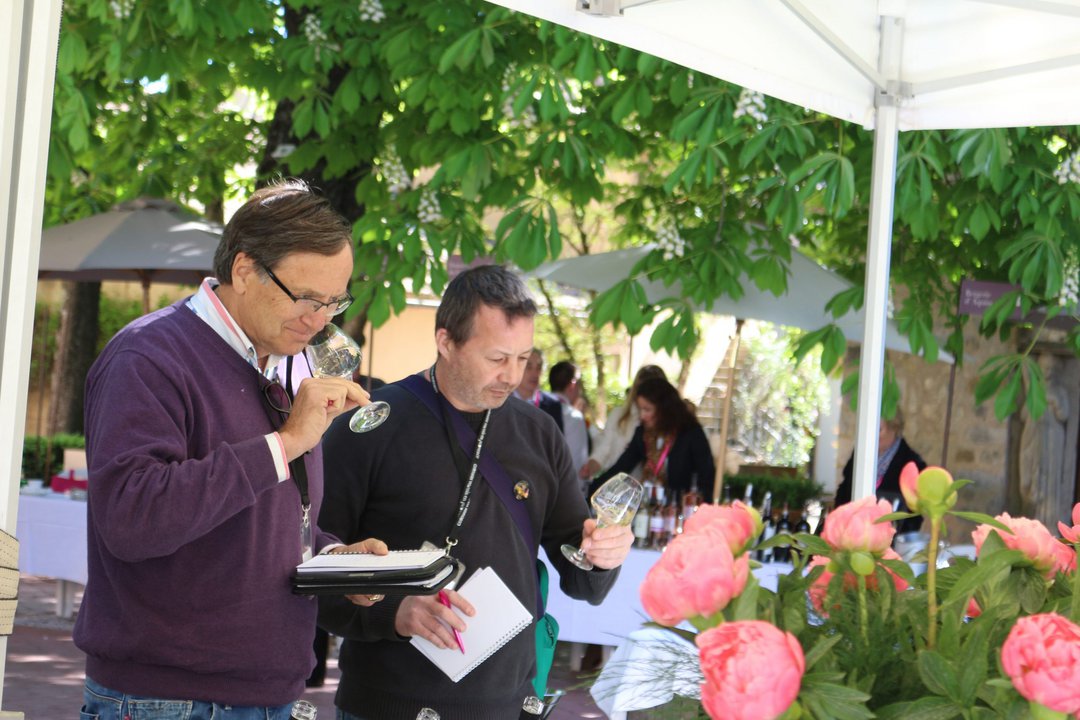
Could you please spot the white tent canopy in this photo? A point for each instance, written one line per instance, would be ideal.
(886, 64)
(810, 287)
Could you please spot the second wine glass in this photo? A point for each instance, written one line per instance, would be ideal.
(332, 353)
(615, 503)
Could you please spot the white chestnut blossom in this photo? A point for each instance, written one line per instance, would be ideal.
(428, 210)
(670, 242)
(372, 11)
(394, 174)
(752, 104)
(121, 9)
(1069, 169)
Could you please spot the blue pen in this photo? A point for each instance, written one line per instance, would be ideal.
(445, 600)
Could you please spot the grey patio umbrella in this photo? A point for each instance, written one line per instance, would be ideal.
(145, 240)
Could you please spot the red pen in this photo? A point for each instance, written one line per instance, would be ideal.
(445, 600)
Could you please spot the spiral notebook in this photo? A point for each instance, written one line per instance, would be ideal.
(499, 617)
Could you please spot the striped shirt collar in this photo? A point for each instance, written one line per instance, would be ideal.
(208, 306)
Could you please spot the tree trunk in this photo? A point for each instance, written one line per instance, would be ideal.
(76, 348)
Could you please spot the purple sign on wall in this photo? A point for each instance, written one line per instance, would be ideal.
(978, 295)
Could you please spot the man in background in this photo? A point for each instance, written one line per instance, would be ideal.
(529, 389)
(564, 378)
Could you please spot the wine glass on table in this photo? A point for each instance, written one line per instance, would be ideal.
(615, 503)
(332, 353)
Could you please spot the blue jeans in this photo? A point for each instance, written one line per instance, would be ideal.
(100, 703)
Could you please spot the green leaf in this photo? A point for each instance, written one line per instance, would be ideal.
(990, 564)
(980, 519)
(937, 674)
(927, 708)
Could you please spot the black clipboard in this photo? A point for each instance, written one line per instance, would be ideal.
(427, 580)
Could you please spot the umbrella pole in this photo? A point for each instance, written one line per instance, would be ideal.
(146, 294)
(882, 189)
(721, 458)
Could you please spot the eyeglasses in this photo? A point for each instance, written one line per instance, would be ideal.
(311, 305)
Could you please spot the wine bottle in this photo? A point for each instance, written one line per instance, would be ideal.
(768, 528)
(671, 514)
(748, 497)
(783, 525)
(656, 519)
(640, 525)
(726, 499)
(803, 525)
(691, 499)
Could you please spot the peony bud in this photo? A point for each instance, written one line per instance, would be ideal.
(909, 479)
(934, 492)
(862, 563)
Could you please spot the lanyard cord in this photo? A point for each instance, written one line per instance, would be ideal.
(455, 449)
(297, 467)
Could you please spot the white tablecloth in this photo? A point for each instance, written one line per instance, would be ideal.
(621, 613)
(52, 542)
(647, 670)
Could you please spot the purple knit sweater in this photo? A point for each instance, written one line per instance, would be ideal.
(191, 538)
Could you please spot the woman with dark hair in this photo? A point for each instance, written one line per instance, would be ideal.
(668, 442)
(619, 429)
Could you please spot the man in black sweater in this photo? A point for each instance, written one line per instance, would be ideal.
(404, 483)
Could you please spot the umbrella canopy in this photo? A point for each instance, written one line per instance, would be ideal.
(147, 240)
(810, 287)
(886, 64)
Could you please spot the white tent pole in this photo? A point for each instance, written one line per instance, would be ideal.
(29, 33)
(882, 186)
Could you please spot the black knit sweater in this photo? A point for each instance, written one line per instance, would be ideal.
(399, 483)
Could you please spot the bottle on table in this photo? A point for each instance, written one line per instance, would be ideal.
(656, 519)
(691, 498)
(803, 525)
(768, 527)
(303, 710)
(671, 517)
(640, 525)
(726, 499)
(748, 497)
(783, 525)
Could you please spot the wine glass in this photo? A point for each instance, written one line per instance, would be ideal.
(332, 353)
(614, 503)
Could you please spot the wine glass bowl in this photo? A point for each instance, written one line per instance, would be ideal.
(332, 353)
(614, 503)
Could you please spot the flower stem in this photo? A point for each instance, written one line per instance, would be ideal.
(864, 615)
(931, 580)
(1074, 610)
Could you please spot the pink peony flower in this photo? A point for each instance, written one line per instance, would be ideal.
(737, 525)
(696, 576)
(852, 527)
(1042, 658)
(820, 587)
(1071, 534)
(1033, 539)
(753, 670)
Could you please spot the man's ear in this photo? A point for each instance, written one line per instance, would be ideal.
(443, 342)
(244, 272)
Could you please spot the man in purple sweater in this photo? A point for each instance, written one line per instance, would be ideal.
(206, 477)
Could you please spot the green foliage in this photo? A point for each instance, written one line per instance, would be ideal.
(475, 110)
(43, 456)
(791, 490)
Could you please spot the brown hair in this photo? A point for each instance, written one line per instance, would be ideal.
(278, 220)
(644, 373)
(672, 414)
(491, 285)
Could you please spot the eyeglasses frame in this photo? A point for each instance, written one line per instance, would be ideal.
(341, 303)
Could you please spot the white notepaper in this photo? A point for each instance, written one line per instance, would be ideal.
(366, 562)
(499, 617)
